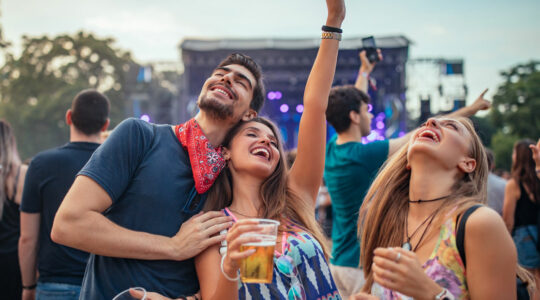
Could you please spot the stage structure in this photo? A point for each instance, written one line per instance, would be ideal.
(435, 85)
(286, 64)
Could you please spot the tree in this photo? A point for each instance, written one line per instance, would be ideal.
(516, 109)
(37, 88)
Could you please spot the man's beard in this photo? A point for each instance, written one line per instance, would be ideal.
(215, 108)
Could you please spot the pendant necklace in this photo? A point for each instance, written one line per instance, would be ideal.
(407, 245)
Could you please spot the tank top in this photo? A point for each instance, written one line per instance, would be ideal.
(10, 222)
(526, 211)
(444, 266)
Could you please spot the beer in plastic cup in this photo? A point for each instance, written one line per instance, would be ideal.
(259, 267)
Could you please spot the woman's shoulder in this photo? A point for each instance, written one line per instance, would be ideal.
(485, 224)
(483, 217)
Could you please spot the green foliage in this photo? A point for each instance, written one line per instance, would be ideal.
(517, 103)
(37, 88)
(515, 112)
(502, 145)
(484, 128)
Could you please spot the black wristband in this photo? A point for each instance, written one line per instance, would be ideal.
(331, 29)
(29, 287)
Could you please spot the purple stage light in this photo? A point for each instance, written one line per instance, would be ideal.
(271, 96)
(300, 108)
(145, 118)
(401, 133)
(380, 125)
(284, 108)
(369, 107)
(278, 95)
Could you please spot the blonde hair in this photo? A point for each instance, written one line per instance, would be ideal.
(384, 210)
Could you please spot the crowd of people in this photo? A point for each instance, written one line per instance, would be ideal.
(170, 208)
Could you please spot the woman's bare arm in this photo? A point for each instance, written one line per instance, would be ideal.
(491, 257)
(306, 173)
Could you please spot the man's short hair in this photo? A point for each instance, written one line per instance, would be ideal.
(89, 111)
(248, 63)
(343, 100)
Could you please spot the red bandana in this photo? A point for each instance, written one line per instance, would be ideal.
(206, 161)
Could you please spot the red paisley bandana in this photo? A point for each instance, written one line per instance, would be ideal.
(206, 161)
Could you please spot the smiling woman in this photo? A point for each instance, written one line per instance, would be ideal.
(408, 222)
(257, 184)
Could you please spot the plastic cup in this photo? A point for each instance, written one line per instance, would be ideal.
(259, 267)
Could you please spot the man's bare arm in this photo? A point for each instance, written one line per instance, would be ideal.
(79, 223)
(479, 104)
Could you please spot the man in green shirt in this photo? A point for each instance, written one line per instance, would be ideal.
(351, 166)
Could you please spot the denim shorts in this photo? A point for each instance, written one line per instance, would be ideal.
(525, 238)
(57, 291)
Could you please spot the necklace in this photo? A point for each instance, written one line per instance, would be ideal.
(407, 245)
(431, 200)
(243, 215)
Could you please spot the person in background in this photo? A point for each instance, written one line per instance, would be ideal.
(12, 174)
(521, 205)
(61, 269)
(495, 185)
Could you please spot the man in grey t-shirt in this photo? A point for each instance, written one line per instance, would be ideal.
(495, 186)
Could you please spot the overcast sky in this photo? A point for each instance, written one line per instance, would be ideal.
(490, 35)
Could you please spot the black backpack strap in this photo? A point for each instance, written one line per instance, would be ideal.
(460, 234)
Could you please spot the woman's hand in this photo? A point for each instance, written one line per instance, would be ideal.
(235, 239)
(400, 270)
(336, 12)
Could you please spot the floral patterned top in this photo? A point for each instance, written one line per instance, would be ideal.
(444, 266)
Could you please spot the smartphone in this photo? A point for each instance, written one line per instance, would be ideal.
(368, 44)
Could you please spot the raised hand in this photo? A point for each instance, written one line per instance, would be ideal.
(481, 103)
(336, 12)
(198, 233)
(367, 66)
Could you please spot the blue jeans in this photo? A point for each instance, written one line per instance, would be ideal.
(57, 291)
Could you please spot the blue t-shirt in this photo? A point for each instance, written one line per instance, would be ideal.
(147, 173)
(348, 172)
(50, 175)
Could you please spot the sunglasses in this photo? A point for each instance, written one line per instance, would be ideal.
(285, 265)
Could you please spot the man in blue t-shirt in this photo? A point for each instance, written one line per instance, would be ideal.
(49, 177)
(351, 166)
(135, 205)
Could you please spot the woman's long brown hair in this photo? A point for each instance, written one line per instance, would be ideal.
(9, 160)
(279, 202)
(384, 210)
(523, 168)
